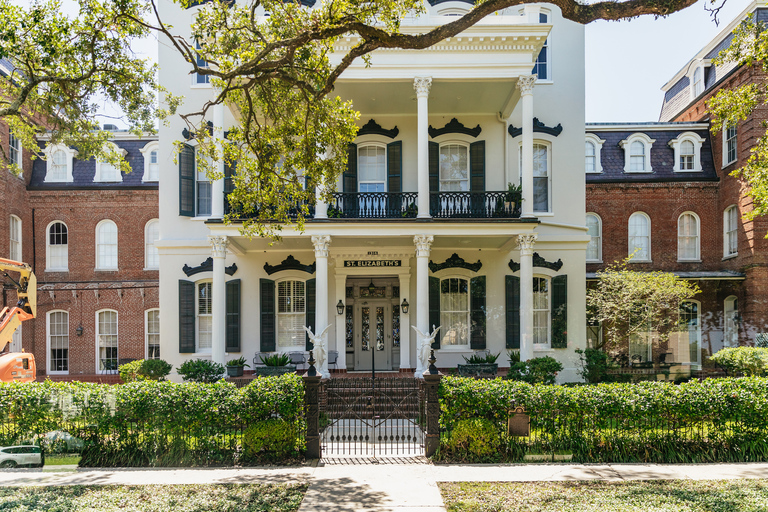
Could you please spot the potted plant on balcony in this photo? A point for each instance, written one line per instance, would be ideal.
(276, 364)
(513, 197)
(480, 365)
(235, 367)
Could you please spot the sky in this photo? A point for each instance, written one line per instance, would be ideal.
(628, 62)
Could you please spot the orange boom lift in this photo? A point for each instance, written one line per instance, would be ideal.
(17, 366)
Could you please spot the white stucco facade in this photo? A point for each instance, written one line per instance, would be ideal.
(480, 79)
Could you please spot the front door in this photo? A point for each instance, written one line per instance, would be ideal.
(373, 335)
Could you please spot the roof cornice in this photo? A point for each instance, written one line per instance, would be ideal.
(643, 127)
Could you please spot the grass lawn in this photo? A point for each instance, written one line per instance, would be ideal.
(62, 460)
(632, 496)
(154, 498)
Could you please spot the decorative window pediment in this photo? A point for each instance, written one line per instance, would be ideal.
(106, 172)
(59, 163)
(151, 161)
(637, 153)
(687, 149)
(593, 147)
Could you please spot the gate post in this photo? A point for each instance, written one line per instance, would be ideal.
(432, 382)
(312, 411)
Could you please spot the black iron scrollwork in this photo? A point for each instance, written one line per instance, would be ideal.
(455, 261)
(207, 266)
(374, 128)
(538, 261)
(454, 126)
(538, 126)
(289, 263)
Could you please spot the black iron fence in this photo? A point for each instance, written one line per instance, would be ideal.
(373, 205)
(473, 205)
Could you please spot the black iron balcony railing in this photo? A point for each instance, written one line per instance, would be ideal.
(473, 205)
(373, 205)
(237, 212)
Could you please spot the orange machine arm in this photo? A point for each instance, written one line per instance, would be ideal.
(26, 307)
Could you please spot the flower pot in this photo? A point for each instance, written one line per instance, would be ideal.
(270, 371)
(479, 371)
(235, 371)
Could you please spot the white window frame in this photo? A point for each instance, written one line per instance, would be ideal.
(201, 177)
(206, 83)
(597, 142)
(676, 145)
(97, 333)
(48, 358)
(599, 238)
(48, 267)
(149, 245)
(376, 145)
(69, 154)
(731, 321)
(445, 330)
(15, 239)
(99, 226)
(15, 151)
(697, 86)
(548, 344)
(697, 362)
(460, 143)
(302, 344)
(548, 145)
(626, 144)
(727, 233)
(631, 246)
(147, 333)
(727, 141)
(198, 349)
(147, 151)
(117, 176)
(697, 256)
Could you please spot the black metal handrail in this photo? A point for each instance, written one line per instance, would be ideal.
(373, 205)
(473, 205)
(237, 212)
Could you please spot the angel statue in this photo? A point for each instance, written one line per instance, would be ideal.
(423, 347)
(320, 351)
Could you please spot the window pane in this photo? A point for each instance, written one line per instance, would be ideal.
(454, 311)
(291, 313)
(152, 235)
(153, 334)
(57, 246)
(107, 340)
(638, 236)
(58, 341)
(454, 168)
(107, 245)
(371, 164)
(15, 238)
(540, 310)
(593, 229)
(203, 198)
(59, 168)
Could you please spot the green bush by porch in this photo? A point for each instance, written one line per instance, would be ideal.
(717, 420)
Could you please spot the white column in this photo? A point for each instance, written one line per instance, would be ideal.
(525, 84)
(525, 245)
(423, 244)
(341, 327)
(321, 243)
(405, 323)
(422, 86)
(217, 186)
(218, 296)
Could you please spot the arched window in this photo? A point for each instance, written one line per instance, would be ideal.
(640, 237)
(291, 311)
(151, 254)
(106, 245)
(698, 82)
(58, 341)
(454, 312)
(454, 167)
(204, 316)
(152, 332)
(688, 237)
(686, 155)
(57, 247)
(106, 340)
(637, 157)
(151, 162)
(541, 311)
(730, 231)
(58, 170)
(590, 157)
(731, 322)
(594, 229)
(15, 239)
(687, 149)
(637, 152)
(689, 332)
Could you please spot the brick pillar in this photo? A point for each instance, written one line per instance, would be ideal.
(312, 411)
(432, 383)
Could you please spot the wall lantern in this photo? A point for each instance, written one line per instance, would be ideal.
(79, 330)
(371, 288)
(404, 306)
(340, 307)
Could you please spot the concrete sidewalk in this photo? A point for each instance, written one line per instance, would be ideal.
(392, 487)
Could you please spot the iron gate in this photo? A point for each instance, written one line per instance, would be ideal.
(369, 416)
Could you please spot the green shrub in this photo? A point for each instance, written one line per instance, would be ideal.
(155, 369)
(749, 361)
(476, 436)
(200, 370)
(539, 370)
(240, 361)
(594, 365)
(274, 437)
(276, 360)
(484, 359)
(129, 372)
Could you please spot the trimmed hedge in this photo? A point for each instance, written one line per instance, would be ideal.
(151, 423)
(717, 420)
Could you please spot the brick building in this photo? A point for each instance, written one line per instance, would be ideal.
(88, 232)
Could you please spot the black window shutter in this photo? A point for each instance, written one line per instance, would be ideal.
(268, 334)
(186, 317)
(560, 312)
(233, 316)
(477, 166)
(512, 306)
(434, 167)
(477, 313)
(230, 169)
(350, 174)
(187, 181)
(310, 290)
(434, 309)
(394, 166)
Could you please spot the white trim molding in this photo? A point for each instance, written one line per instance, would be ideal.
(647, 142)
(49, 151)
(118, 177)
(676, 144)
(598, 143)
(146, 151)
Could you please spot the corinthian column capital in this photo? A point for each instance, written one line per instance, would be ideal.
(525, 84)
(422, 85)
(423, 244)
(321, 243)
(218, 246)
(526, 242)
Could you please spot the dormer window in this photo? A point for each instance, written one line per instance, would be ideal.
(592, 148)
(106, 172)
(687, 149)
(637, 153)
(151, 161)
(59, 163)
(698, 81)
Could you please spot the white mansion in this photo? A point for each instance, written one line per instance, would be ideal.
(421, 231)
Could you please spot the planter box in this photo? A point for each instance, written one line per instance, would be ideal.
(235, 371)
(271, 371)
(479, 371)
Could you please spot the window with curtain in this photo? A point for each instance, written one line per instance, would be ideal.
(153, 334)
(688, 237)
(58, 341)
(730, 231)
(640, 236)
(106, 337)
(637, 156)
(454, 312)
(540, 178)
(204, 317)
(106, 245)
(454, 167)
(57, 247)
(687, 154)
(541, 311)
(151, 235)
(291, 311)
(372, 169)
(15, 239)
(594, 229)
